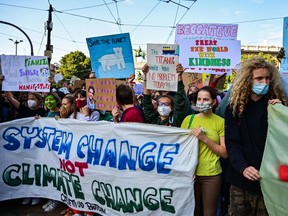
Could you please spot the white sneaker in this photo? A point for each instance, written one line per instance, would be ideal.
(26, 201)
(47, 204)
(76, 214)
(35, 201)
(53, 205)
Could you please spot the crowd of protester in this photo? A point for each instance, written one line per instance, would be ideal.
(232, 126)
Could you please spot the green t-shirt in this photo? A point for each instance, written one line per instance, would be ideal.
(208, 161)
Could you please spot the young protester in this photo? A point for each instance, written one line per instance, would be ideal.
(81, 110)
(34, 105)
(209, 129)
(170, 111)
(126, 111)
(257, 85)
(52, 103)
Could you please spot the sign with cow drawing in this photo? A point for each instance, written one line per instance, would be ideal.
(111, 56)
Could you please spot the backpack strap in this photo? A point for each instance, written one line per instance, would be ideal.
(191, 120)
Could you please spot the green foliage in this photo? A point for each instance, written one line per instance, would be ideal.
(267, 57)
(75, 63)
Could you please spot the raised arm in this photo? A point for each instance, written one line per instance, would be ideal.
(15, 103)
(145, 70)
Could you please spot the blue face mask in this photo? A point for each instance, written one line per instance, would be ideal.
(260, 89)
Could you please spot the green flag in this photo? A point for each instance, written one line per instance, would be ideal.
(274, 167)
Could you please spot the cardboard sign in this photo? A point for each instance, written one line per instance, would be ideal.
(25, 73)
(105, 93)
(162, 60)
(209, 54)
(111, 56)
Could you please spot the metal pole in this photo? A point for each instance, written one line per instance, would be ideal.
(16, 43)
(31, 45)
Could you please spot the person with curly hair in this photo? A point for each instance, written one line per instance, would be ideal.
(257, 85)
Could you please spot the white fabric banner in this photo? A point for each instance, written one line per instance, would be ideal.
(112, 169)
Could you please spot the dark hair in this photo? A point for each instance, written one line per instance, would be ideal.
(210, 90)
(166, 96)
(91, 87)
(37, 95)
(55, 95)
(81, 92)
(192, 97)
(212, 93)
(124, 95)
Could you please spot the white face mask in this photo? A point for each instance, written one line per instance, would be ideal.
(32, 103)
(164, 110)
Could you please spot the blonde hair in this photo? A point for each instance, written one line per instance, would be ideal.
(242, 85)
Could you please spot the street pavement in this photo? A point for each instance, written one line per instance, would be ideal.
(15, 208)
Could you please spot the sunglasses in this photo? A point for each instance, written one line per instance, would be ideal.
(164, 104)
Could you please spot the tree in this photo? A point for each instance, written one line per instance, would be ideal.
(268, 57)
(75, 63)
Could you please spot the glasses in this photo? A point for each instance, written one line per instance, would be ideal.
(163, 104)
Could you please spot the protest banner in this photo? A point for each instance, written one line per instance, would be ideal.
(162, 60)
(104, 93)
(112, 169)
(201, 55)
(274, 167)
(25, 73)
(206, 31)
(111, 56)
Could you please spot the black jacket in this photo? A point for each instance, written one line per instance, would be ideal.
(245, 138)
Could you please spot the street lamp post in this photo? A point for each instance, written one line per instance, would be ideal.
(16, 42)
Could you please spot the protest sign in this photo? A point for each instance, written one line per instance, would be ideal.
(138, 89)
(274, 167)
(104, 93)
(206, 31)
(25, 73)
(58, 77)
(111, 56)
(112, 169)
(205, 54)
(79, 83)
(162, 60)
(192, 79)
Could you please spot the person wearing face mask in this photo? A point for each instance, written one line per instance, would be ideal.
(81, 110)
(209, 129)
(34, 105)
(257, 85)
(170, 111)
